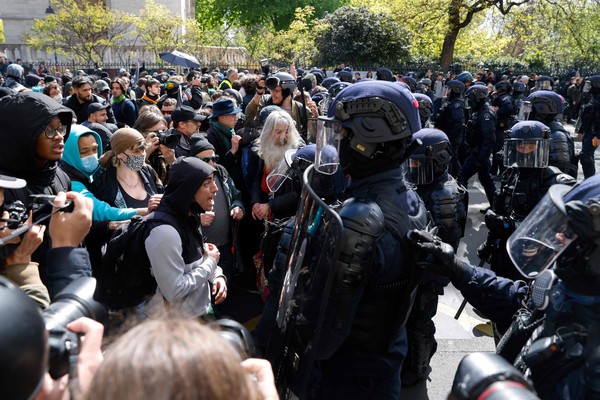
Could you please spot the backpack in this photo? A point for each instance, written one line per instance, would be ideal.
(124, 279)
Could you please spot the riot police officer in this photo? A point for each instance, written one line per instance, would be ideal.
(466, 78)
(447, 201)
(547, 107)
(362, 340)
(451, 120)
(519, 94)
(425, 109)
(523, 184)
(590, 127)
(480, 134)
(554, 320)
(505, 111)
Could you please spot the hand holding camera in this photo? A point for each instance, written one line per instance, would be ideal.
(67, 229)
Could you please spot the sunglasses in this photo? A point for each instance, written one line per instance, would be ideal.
(209, 159)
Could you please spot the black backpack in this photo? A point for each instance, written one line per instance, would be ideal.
(124, 279)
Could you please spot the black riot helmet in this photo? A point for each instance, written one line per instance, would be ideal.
(455, 88)
(594, 81)
(345, 76)
(519, 88)
(337, 87)
(502, 87)
(283, 79)
(410, 81)
(384, 74)
(371, 122)
(563, 227)
(327, 82)
(465, 77)
(545, 83)
(545, 106)
(425, 107)
(528, 145)
(23, 344)
(477, 95)
(431, 159)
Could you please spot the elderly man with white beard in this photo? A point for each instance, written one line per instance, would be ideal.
(279, 135)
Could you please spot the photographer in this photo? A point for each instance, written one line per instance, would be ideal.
(18, 266)
(24, 345)
(194, 90)
(24, 349)
(185, 121)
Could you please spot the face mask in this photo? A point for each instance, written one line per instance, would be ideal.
(135, 163)
(90, 163)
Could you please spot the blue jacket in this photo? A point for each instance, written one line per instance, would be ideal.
(81, 180)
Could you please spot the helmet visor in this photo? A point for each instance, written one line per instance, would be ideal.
(524, 111)
(420, 170)
(526, 153)
(329, 135)
(542, 236)
(279, 175)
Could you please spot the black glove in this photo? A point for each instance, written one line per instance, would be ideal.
(484, 252)
(435, 255)
(501, 226)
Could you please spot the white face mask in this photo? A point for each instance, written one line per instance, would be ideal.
(90, 163)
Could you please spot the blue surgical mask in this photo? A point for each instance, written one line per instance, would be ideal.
(90, 163)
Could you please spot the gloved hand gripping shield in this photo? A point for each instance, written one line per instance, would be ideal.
(543, 236)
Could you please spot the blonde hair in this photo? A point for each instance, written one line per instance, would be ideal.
(171, 359)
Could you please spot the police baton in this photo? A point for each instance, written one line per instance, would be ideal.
(464, 302)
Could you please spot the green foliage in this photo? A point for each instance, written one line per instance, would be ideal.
(356, 35)
(251, 13)
(160, 31)
(296, 44)
(2, 39)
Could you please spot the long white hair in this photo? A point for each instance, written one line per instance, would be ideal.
(272, 151)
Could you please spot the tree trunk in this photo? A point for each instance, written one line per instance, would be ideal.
(448, 49)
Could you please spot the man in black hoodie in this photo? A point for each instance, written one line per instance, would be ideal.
(185, 267)
(33, 131)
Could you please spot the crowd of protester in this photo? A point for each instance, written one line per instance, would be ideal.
(160, 142)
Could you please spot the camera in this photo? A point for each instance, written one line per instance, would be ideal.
(169, 139)
(204, 79)
(236, 335)
(264, 66)
(17, 214)
(74, 301)
(40, 200)
(489, 376)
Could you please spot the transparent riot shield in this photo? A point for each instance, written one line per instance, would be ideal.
(310, 270)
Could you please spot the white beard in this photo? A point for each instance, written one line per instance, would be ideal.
(272, 153)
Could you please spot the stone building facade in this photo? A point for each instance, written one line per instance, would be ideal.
(18, 17)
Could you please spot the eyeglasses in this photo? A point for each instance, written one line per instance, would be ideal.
(209, 159)
(166, 112)
(277, 91)
(51, 132)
